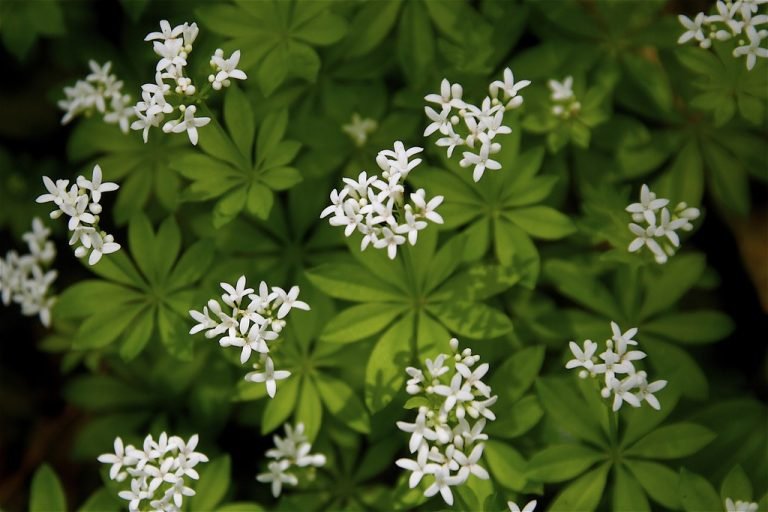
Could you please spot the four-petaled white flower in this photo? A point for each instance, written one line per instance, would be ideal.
(291, 451)
(268, 376)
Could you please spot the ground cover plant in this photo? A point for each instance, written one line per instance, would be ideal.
(383, 255)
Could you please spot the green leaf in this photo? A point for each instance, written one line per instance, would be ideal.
(385, 372)
(273, 69)
(505, 464)
(217, 143)
(477, 283)
(697, 494)
(584, 493)
(471, 319)
(192, 265)
(323, 29)
(137, 337)
(567, 408)
(416, 43)
(281, 178)
(213, 484)
(352, 282)
(684, 179)
(174, 333)
(309, 410)
(729, 183)
(659, 482)
(572, 281)
(513, 378)
(527, 413)
(678, 367)
(166, 247)
(736, 485)
(542, 222)
(271, 133)
(100, 501)
(371, 24)
(560, 462)
(444, 263)
(642, 420)
(117, 267)
(46, 493)
(360, 321)
(260, 200)
(279, 408)
(92, 296)
(101, 329)
(100, 393)
(692, 327)
(627, 494)
(666, 284)
(342, 402)
(229, 206)
(238, 115)
(672, 442)
(141, 239)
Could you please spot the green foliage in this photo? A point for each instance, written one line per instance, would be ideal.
(532, 256)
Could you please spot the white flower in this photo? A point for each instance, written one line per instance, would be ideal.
(359, 128)
(646, 237)
(645, 390)
(225, 69)
(440, 121)
(647, 206)
(117, 459)
(443, 482)
(165, 32)
(416, 467)
(450, 95)
(510, 89)
(561, 90)
(582, 358)
(277, 476)
(739, 506)
(469, 463)
(293, 450)
(529, 507)
(694, 29)
(289, 301)
(419, 431)
(390, 240)
(190, 124)
(95, 185)
(752, 50)
(269, 376)
(451, 141)
(481, 160)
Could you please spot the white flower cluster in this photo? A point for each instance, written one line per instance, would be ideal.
(633, 387)
(250, 326)
(565, 105)
(293, 450)
(454, 404)
(734, 18)
(81, 202)
(659, 235)
(24, 279)
(359, 128)
(481, 124)
(173, 46)
(739, 506)
(157, 471)
(100, 91)
(375, 207)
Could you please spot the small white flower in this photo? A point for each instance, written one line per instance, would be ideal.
(440, 121)
(269, 376)
(647, 206)
(739, 506)
(752, 50)
(359, 128)
(95, 185)
(694, 29)
(416, 467)
(450, 95)
(529, 507)
(419, 431)
(443, 482)
(561, 90)
(510, 89)
(190, 124)
(277, 476)
(481, 160)
(226, 69)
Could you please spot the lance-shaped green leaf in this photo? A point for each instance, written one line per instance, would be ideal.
(46, 493)
(569, 410)
(672, 441)
(385, 372)
(627, 496)
(505, 464)
(736, 485)
(658, 481)
(561, 462)
(696, 493)
(584, 493)
(342, 401)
